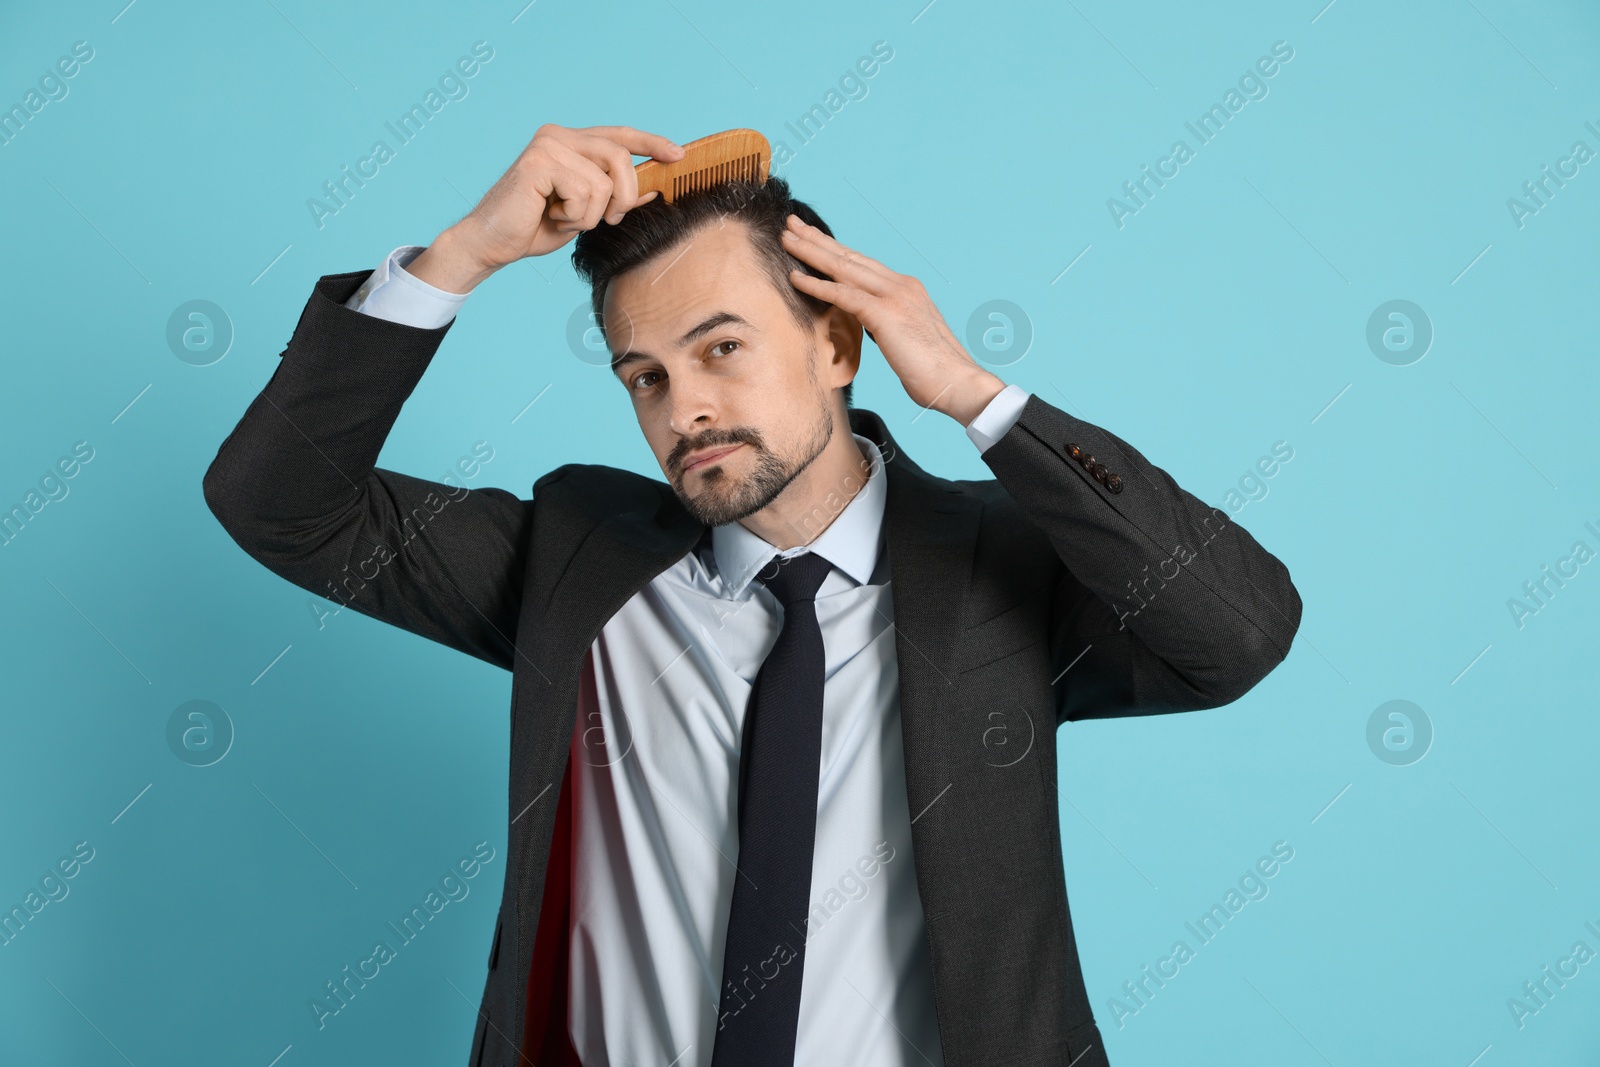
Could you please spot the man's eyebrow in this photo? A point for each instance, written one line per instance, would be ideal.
(700, 329)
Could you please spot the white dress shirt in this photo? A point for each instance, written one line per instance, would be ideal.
(655, 751)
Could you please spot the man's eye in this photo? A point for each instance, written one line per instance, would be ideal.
(719, 344)
(644, 374)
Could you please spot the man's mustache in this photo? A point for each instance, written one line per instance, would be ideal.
(711, 439)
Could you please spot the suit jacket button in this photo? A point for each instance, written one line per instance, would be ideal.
(1114, 482)
(1101, 473)
(1074, 451)
(1088, 462)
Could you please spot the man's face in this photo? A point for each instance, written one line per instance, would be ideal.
(733, 395)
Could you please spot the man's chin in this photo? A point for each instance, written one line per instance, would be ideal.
(714, 507)
(725, 497)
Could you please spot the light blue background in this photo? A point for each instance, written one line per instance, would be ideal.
(1227, 315)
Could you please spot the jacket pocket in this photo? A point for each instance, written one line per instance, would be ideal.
(997, 637)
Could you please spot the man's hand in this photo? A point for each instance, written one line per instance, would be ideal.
(565, 181)
(901, 319)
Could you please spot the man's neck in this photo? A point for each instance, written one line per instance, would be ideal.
(817, 496)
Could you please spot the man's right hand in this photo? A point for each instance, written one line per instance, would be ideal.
(564, 182)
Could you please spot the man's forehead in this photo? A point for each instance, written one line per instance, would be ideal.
(715, 266)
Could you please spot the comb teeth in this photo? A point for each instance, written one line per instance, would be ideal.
(731, 155)
(745, 168)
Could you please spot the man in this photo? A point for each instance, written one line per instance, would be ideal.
(783, 779)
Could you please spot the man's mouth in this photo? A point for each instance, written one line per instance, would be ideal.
(707, 455)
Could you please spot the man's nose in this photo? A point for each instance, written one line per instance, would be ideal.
(693, 404)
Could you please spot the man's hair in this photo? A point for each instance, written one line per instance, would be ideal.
(600, 254)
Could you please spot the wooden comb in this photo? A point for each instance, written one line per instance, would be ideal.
(732, 155)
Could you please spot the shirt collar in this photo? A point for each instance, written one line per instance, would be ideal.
(851, 542)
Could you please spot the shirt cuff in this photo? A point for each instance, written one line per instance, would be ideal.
(999, 416)
(391, 293)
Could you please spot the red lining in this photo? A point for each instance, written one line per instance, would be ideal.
(545, 1035)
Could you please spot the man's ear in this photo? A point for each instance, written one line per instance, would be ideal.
(842, 331)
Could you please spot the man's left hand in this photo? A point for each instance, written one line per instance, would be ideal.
(901, 319)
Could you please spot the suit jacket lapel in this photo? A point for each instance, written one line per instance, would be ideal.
(931, 536)
(622, 554)
(931, 531)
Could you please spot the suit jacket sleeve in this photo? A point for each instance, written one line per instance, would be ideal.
(296, 486)
(1163, 603)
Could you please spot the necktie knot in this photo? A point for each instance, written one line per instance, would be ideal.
(795, 578)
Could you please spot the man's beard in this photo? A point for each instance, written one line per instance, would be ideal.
(724, 498)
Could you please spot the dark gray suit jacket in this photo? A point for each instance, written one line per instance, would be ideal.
(1079, 582)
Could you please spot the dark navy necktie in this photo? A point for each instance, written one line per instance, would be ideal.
(779, 761)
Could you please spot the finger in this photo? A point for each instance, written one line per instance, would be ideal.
(617, 162)
(639, 142)
(839, 294)
(567, 178)
(822, 240)
(584, 189)
(855, 269)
